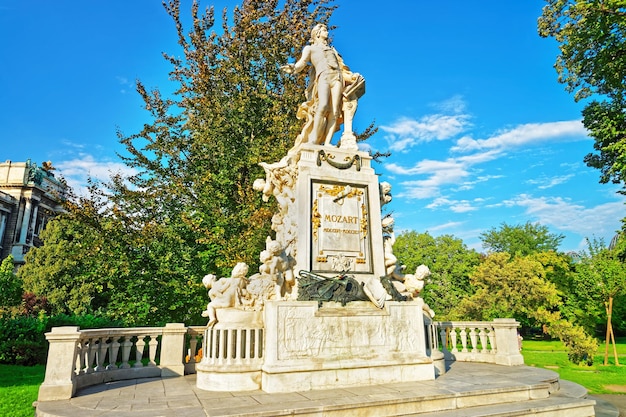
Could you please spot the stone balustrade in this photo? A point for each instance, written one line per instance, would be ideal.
(239, 346)
(477, 341)
(79, 358)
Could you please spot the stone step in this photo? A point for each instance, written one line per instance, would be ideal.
(548, 407)
(533, 400)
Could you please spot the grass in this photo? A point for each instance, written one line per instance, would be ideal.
(19, 386)
(597, 378)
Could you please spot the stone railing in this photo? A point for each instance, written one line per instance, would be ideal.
(238, 346)
(477, 341)
(79, 358)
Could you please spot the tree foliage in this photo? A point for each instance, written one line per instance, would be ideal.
(10, 284)
(450, 262)
(517, 287)
(136, 250)
(233, 108)
(606, 123)
(592, 40)
(69, 268)
(521, 239)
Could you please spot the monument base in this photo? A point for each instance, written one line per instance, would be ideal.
(305, 347)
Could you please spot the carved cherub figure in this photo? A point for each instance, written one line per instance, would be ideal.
(225, 292)
(277, 265)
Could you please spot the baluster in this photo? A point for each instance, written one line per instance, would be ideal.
(252, 344)
(483, 340)
(152, 349)
(92, 347)
(443, 334)
(463, 339)
(473, 340)
(114, 348)
(492, 340)
(215, 342)
(260, 343)
(238, 345)
(193, 343)
(434, 337)
(224, 344)
(140, 345)
(127, 345)
(201, 345)
(80, 357)
(103, 346)
(453, 339)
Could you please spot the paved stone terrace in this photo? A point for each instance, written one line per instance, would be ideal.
(179, 397)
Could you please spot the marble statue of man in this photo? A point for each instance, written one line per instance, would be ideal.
(326, 94)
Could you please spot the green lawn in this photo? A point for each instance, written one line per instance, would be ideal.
(18, 389)
(595, 378)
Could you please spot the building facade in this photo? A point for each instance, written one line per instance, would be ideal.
(29, 196)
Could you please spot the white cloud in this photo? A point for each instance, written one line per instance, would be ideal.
(549, 182)
(444, 226)
(78, 170)
(404, 133)
(565, 215)
(457, 206)
(440, 173)
(531, 133)
(454, 105)
(125, 83)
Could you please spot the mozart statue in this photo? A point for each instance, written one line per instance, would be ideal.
(332, 93)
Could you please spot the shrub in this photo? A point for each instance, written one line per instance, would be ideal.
(23, 337)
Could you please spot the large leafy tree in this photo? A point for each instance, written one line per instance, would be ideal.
(137, 249)
(592, 40)
(518, 287)
(603, 272)
(521, 239)
(233, 108)
(450, 262)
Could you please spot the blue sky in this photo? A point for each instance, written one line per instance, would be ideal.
(464, 93)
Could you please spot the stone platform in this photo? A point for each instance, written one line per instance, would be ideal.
(467, 389)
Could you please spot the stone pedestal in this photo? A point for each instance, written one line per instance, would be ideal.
(338, 204)
(233, 352)
(335, 346)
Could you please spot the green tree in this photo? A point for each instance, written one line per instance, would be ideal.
(521, 239)
(606, 123)
(592, 39)
(450, 262)
(10, 284)
(605, 275)
(136, 249)
(517, 287)
(99, 260)
(232, 109)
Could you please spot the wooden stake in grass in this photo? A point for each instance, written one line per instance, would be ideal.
(609, 333)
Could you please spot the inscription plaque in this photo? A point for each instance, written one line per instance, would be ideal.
(340, 228)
